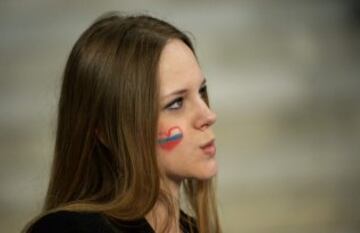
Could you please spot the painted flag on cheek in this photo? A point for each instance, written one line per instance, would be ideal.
(171, 138)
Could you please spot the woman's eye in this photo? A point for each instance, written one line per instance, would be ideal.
(203, 92)
(176, 104)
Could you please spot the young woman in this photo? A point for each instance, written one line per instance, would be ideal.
(133, 132)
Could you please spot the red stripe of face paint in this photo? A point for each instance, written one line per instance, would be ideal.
(170, 144)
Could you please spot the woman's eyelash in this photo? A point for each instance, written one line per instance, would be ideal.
(172, 105)
(178, 102)
(203, 91)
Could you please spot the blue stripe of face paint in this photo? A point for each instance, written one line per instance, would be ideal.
(169, 139)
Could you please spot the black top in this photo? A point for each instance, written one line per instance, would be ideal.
(76, 222)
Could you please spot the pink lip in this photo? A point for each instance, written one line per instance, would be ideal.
(209, 148)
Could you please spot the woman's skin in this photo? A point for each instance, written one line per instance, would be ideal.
(182, 108)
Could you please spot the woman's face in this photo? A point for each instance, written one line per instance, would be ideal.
(185, 145)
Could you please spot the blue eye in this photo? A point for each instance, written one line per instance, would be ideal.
(176, 104)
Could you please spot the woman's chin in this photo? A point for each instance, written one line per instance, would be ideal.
(207, 171)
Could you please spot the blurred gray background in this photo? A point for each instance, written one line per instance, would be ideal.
(284, 79)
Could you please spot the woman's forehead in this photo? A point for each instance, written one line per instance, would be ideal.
(178, 68)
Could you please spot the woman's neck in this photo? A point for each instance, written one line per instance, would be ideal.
(158, 217)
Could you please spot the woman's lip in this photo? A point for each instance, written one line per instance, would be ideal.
(209, 148)
(208, 143)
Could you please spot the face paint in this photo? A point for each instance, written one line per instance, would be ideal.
(171, 138)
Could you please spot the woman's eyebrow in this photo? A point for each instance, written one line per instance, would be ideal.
(183, 91)
(178, 92)
(203, 82)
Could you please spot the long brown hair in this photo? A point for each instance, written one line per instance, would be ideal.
(107, 122)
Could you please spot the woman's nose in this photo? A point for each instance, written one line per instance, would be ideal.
(206, 117)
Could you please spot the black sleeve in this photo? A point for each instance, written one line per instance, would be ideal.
(69, 222)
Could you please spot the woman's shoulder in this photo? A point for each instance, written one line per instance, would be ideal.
(71, 222)
(80, 222)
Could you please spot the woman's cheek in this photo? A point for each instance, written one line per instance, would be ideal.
(170, 138)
